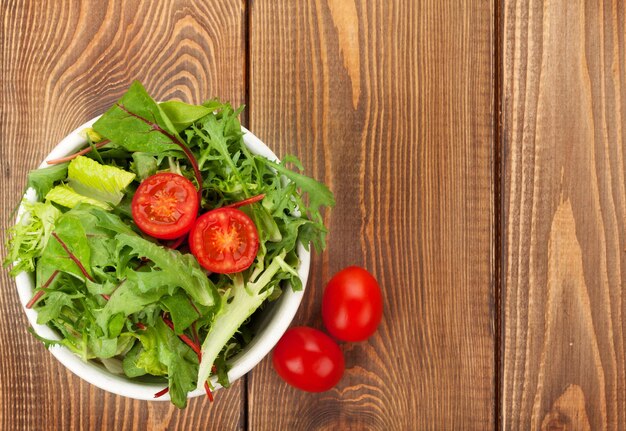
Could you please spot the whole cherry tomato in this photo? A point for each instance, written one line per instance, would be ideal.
(352, 306)
(308, 359)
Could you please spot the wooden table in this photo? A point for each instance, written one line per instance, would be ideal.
(476, 151)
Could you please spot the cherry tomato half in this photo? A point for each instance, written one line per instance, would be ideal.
(308, 359)
(224, 240)
(352, 305)
(165, 205)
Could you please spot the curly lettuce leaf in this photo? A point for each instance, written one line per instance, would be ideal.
(162, 353)
(176, 269)
(244, 298)
(319, 194)
(29, 237)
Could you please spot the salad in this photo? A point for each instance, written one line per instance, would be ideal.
(154, 247)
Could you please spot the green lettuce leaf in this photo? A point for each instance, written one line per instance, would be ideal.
(129, 363)
(96, 181)
(182, 311)
(319, 194)
(182, 115)
(66, 196)
(54, 257)
(29, 237)
(144, 165)
(102, 347)
(54, 303)
(162, 353)
(127, 299)
(176, 269)
(244, 299)
(42, 180)
(129, 123)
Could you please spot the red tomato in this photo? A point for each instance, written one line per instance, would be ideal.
(308, 359)
(224, 240)
(165, 205)
(352, 306)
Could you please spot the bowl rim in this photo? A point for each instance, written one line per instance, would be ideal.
(283, 311)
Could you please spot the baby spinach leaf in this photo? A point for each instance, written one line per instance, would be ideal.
(131, 123)
(182, 115)
(54, 257)
(182, 311)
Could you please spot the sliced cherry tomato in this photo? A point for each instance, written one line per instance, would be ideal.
(165, 205)
(308, 359)
(224, 240)
(352, 305)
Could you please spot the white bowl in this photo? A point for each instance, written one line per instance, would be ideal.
(272, 324)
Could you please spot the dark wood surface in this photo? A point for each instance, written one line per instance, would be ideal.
(564, 88)
(391, 106)
(476, 152)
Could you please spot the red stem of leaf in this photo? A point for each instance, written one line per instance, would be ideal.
(175, 140)
(73, 257)
(107, 297)
(141, 326)
(188, 341)
(39, 294)
(161, 393)
(194, 332)
(195, 308)
(248, 201)
(207, 389)
(194, 346)
(80, 153)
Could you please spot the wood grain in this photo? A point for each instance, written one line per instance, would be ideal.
(564, 84)
(61, 64)
(389, 103)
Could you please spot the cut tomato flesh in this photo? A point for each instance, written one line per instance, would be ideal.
(165, 205)
(224, 240)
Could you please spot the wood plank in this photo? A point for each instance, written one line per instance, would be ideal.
(565, 215)
(63, 63)
(389, 103)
